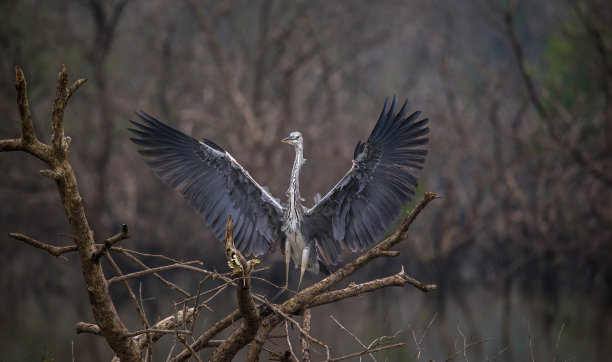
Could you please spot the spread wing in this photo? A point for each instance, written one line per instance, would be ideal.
(212, 182)
(360, 208)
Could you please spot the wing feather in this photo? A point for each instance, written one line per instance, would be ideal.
(212, 182)
(360, 208)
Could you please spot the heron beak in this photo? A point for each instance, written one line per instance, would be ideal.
(287, 139)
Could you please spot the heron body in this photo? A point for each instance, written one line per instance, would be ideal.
(353, 215)
(296, 244)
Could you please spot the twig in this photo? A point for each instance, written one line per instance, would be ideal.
(171, 351)
(75, 86)
(83, 327)
(557, 345)
(108, 243)
(351, 334)
(380, 339)
(286, 317)
(155, 330)
(145, 254)
(139, 310)
(167, 324)
(530, 344)
(306, 317)
(417, 353)
(428, 326)
(193, 353)
(196, 311)
(53, 250)
(139, 307)
(59, 105)
(389, 253)
(203, 340)
(186, 265)
(149, 354)
(67, 236)
(464, 343)
(53, 175)
(418, 343)
(27, 129)
(289, 341)
(144, 266)
(465, 347)
(499, 353)
(10, 145)
(204, 304)
(366, 351)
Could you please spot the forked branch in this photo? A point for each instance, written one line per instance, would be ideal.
(250, 316)
(60, 170)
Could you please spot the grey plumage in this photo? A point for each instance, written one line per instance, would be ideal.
(212, 183)
(360, 208)
(353, 215)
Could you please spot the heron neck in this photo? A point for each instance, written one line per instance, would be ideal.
(294, 184)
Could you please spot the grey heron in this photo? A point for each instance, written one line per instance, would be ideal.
(353, 215)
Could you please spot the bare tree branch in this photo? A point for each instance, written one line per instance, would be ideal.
(53, 250)
(366, 351)
(83, 327)
(61, 99)
(309, 293)
(10, 145)
(186, 265)
(203, 340)
(351, 334)
(306, 316)
(250, 316)
(27, 129)
(307, 297)
(156, 330)
(167, 324)
(400, 279)
(465, 347)
(75, 86)
(108, 243)
(142, 265)
(56, 157)
(139, 308)
(554, 359)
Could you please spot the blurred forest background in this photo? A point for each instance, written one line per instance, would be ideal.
(519, 97)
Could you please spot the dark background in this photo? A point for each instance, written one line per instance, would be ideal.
(520, 243)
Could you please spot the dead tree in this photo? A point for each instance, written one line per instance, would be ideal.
(257, 316)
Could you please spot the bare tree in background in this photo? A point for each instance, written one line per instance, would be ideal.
(520, 94)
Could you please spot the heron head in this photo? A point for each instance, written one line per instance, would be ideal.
(295, 138)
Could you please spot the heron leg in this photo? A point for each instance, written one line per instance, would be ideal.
(287, 261)
(305, 255)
